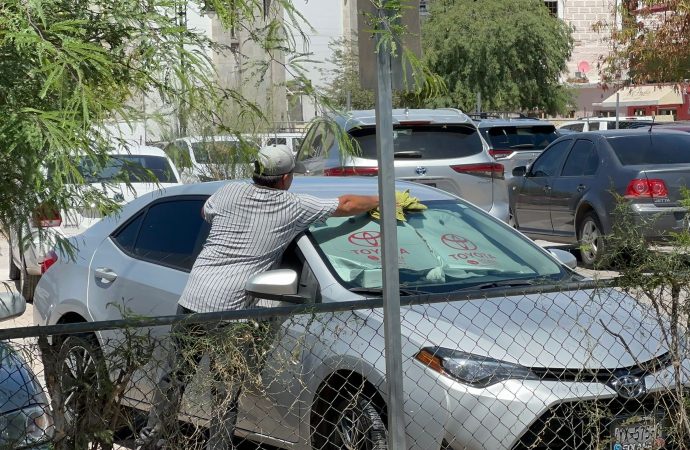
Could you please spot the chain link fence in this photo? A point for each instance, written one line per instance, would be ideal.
(582, 366)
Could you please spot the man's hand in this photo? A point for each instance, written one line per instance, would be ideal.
(351, 205)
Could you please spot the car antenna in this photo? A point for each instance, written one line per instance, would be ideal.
(651, 124)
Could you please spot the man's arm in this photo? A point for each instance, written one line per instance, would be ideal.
(351, 205)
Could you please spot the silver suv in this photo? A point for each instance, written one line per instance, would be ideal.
(436, 147)
(516, 142)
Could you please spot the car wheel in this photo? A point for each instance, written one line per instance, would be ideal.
(27, 284)
(79, 391)
(15, 273)
(591, 239)
(353, 422)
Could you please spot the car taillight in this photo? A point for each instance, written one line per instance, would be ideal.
(46, 216)
(643, 187)
(50, 259)
(351, 171)
(499, 153)
(489, 170)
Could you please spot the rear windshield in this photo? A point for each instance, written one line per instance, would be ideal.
(651, 149)
(520, 138)
(623, 124)
(424, 141)
(128, 168)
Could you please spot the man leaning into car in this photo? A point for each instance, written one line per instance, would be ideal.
(251, 226)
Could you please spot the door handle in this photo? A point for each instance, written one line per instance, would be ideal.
(581, 187)
(106, 274)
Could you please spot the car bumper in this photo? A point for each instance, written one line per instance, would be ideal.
(520, 414)
(657, 224)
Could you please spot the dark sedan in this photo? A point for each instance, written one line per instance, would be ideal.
(567, 194)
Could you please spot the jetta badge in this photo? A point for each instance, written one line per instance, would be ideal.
(420, 170)
(629, 386)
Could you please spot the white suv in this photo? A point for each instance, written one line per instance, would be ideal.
(39, 235)
(606, 123)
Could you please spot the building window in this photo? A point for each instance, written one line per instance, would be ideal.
(639, 112)
(552, 5)
(668, 112)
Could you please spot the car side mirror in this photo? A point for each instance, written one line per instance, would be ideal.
(12, 304)
(519, 171)
(279, 284)
(566, 258)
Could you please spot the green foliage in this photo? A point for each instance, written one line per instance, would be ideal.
(512, 52)
(344, 88)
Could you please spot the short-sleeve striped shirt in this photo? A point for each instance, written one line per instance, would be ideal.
(250, 228)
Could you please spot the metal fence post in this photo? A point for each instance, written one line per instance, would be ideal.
(391, 282)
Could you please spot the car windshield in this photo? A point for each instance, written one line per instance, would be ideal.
(423, 141)
(448, 247)
(128, 169)
(647, 149)
(521, 137)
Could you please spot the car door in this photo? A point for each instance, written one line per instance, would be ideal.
(274, 408)
(141, 270)
(573, 183)
(532, 200)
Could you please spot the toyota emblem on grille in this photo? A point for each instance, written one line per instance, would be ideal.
(420, 170)
(629, 386)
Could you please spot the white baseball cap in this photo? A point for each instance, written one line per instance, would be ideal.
(276, 160)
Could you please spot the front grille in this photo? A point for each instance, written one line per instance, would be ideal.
(602, 375)
(585, 425)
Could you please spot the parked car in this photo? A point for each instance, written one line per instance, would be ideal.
(508, 372)
(567, 194)
(26, 421)
(293, 139)
(208, 158)
(606, 123)
(516, 142)
(437, 147)
(29, 248)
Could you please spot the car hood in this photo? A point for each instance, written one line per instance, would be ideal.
(593, 329)
(18, 385)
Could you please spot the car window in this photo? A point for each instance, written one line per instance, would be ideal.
(448, 246)
(313, 143)
(127, 235)
(276, 141)
(521, 137)
(128, 169)
(647, 149)
(575, 126)
(423, 141)
(179, 154)
(214, 152)
(582, 160)
(623, 124)
(170, 233)
(549, 161)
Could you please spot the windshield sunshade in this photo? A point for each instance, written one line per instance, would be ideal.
(445, 248)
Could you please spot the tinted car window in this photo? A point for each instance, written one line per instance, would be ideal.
(128, 168)
(582, 160)
(424, 142)
(575, 126)
(549, 162)
(623, 124)
(127, 235)
(646, 149)
(172, 233)
(521, 138)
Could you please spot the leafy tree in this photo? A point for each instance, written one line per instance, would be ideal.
(69, 66)
(652, 43)
(344, 88)
(512, 52)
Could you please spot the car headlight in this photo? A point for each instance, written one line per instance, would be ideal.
(25, 427)
(474, 370)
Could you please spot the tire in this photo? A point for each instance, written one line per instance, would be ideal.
(27, 285)
(591, 237)
(352, 422)
(15, 273)
(79, 390)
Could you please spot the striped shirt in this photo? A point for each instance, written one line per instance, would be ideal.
(250, 228)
